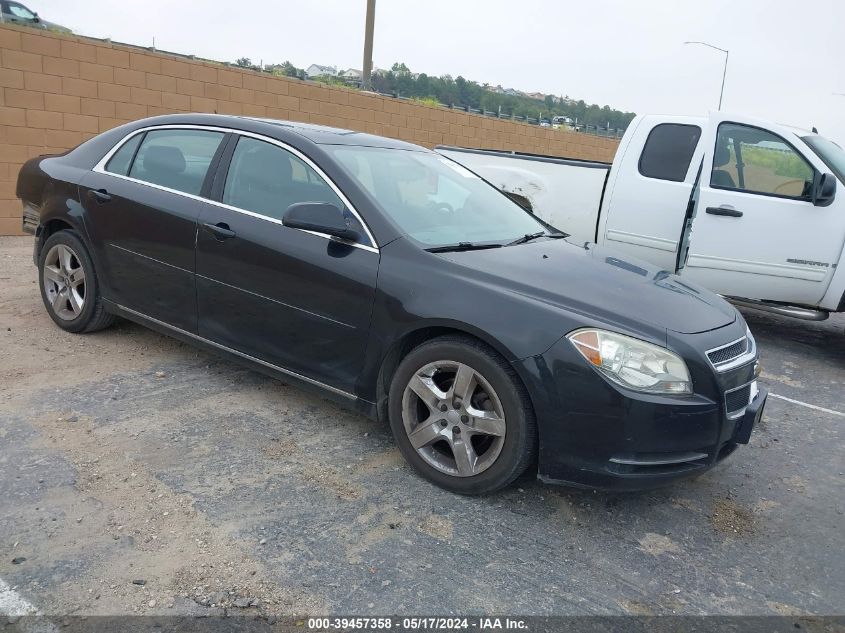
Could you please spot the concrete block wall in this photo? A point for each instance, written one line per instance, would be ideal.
(57, 91)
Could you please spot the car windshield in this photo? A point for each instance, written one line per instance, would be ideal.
(434, 200)
(832, 155)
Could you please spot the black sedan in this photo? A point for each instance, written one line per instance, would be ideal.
(394, 280)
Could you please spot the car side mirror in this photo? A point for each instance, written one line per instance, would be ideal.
(320, 217)
(824, 189)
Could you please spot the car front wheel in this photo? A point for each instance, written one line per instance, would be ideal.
(461, 416)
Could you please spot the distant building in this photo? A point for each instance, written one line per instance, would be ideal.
(315, 70)
(352, 76)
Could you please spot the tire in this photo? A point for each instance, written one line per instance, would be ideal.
(439, 433)
(68, 284)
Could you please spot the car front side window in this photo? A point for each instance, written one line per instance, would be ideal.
(754, 160)
(266, 179)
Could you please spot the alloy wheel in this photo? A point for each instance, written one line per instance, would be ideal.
(64, 282)
(454, 418)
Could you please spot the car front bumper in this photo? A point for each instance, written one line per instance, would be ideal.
(596, 434)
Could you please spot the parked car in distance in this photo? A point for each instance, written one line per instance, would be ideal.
(16, 13)
(742, 206)
(393, 280)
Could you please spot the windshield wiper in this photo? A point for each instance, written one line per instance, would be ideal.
(461, 246)
(533, 236)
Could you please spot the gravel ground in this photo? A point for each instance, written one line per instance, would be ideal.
(141, 476)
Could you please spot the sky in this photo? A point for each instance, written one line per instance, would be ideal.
(786, 58)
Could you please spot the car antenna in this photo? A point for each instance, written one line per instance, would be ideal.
(815, 131)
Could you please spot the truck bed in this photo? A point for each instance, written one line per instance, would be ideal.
(565, 192)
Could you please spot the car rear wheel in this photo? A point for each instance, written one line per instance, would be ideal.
(461, 416)
(69, 285)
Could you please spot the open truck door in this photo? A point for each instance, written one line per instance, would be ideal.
(646, 208)
(761, 229)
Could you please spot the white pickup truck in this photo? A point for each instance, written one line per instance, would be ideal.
(744, 207)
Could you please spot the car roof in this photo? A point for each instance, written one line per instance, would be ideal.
(274, 128)
(326, 135)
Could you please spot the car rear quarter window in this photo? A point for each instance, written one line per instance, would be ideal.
(121, 160)
(176, 159)
(668, 151)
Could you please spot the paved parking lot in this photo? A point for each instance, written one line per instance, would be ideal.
(139, 475)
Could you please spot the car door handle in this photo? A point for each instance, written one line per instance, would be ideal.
(100, 195)
(724, 211)
(221, 230)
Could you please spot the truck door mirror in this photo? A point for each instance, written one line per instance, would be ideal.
(824, 189)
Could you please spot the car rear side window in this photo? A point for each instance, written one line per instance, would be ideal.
(668, 151)
(266, 179)
(176, 159)
(122, 158)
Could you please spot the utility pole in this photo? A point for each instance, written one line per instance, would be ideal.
(368, 43)
(724, 72)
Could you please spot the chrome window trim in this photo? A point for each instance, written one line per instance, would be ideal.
(231, 350)
(749, 355)
(100, 168)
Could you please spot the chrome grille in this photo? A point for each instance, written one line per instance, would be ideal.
(733, 354)
(727, 354)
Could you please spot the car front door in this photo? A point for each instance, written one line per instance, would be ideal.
(142, 203)
(644, 210)
(757, 233)
(295, 299)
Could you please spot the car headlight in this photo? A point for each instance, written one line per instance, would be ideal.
(633, 363)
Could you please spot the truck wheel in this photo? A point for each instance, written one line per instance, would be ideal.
(69, 285)
(461, 416)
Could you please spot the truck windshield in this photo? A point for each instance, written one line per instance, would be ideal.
(435, 200)
(831, 154)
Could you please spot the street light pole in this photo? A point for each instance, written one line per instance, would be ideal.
(368, 44)
(724, 72)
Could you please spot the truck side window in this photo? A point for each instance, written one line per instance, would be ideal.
(751, 159)
(668, 151)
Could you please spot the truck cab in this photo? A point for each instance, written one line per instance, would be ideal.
(743, 207)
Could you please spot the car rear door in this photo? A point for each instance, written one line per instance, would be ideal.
(142, 202)
(649, 189)
(757, 233)
(297, 300)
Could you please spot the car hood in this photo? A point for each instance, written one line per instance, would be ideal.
(596, 281)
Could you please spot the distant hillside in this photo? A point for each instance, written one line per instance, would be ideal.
(462, 92)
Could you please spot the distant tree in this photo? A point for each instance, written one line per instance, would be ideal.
(462, 92)
(285, 69)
